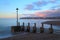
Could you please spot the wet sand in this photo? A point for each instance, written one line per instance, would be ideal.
(34, 36)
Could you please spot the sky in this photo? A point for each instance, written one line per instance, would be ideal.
(29, 8)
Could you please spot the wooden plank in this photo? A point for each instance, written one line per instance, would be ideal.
(52, 22)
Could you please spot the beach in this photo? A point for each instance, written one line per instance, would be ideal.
(34, 36)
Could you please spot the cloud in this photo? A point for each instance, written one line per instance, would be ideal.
(45, 13)
(37, 5)
(40, 14)
(58, 6)
(40, 3)
(29, 7)
(55, 7)
(29, 15)
(53, 1)
(56, 13)
(48, 13)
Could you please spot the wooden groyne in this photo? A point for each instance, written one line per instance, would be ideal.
(22, 28)
(15, 28)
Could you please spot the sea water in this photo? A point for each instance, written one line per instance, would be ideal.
(6, 23)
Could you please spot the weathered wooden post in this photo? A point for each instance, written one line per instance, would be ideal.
(42, 29)
(22, 27)
(34, 28)
(15, 29)
(51, 29)
(12, 29)
(28, 27)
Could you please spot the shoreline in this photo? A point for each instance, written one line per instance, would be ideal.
(22, 33)
(34, 36)
(12, 34)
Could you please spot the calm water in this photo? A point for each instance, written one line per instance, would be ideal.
(5, 25)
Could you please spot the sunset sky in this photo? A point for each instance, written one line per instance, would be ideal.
(29, 8)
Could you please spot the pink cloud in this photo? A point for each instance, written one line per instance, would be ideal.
(47, 13)
(40, 14)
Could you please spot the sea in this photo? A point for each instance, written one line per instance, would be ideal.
(7, 23)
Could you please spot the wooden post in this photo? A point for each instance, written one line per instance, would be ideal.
(23, 27)
(42, 25)
(15, 29)
(28, 24)
(34, 28)
(42, 29)
(12, 29)
(23, 23)
(51, 29)
(51, 25)
(28, 27)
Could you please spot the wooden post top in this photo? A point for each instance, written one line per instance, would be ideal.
(28, 24)
(51, 25)
(23, 23)
(34, 24)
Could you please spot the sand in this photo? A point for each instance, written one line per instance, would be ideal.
(34, 36)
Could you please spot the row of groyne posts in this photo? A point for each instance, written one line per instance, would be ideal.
(19, 28)
(22, 28)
